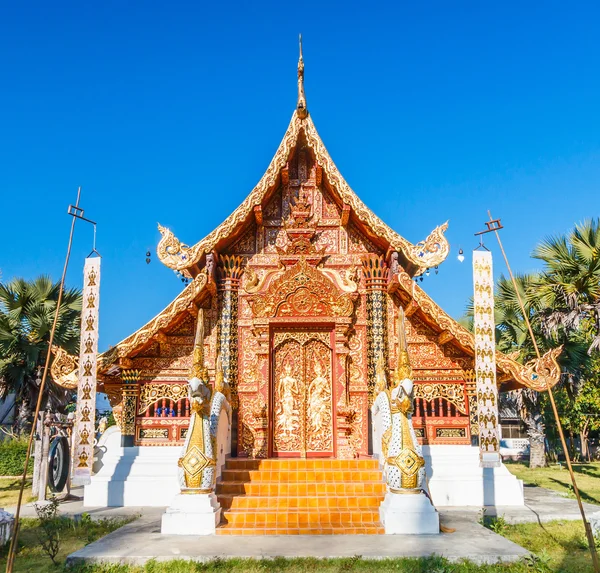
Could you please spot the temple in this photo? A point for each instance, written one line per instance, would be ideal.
(300, 289)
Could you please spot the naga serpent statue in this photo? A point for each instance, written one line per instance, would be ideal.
(198, 462)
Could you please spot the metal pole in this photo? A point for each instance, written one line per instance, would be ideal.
(586, 525)
(13, 542)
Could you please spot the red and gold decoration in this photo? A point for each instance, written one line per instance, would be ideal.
(84, 430)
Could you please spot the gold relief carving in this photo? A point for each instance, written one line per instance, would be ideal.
(85, 414)
(64, 369)
(302, 290)
(153, 433)
(152, 393)
(302, 337)
(162, 320)
(88, 345)
(346, 280)
(358, 382)
(358, 243)
(303, 396)
(450, 433)
(176, 255)
(327, 241)
(541, 374)
(89, 323)
(453, 393)
(83, 458)
(254, 427)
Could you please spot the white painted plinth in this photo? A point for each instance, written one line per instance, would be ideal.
(138, 476)
(409, 514)
(456, 478)
(192, 514)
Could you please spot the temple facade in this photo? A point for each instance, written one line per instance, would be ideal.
(300, 287)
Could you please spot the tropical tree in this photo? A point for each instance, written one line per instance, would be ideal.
(27, 311)
(569, 286)
(513, 338)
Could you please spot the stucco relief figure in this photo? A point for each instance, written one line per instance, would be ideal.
(318, 402)
(289, 420)
(403, 459)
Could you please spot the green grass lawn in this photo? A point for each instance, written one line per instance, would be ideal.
(557, 477)
(74, 535)
(9, 491)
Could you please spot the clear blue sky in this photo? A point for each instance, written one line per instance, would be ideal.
(171, 112)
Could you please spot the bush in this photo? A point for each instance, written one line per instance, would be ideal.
(12, 456)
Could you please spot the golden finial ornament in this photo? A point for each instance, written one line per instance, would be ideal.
(198, 369)
(403, 367)
(301, 108)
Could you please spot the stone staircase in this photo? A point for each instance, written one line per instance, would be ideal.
(300, 497)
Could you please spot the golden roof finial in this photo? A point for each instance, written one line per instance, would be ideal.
(198, 369)
(301, 108)
(403, 368)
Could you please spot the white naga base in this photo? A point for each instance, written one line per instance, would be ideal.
(139, 476)
(409, 514)
(192, 514)
(456, 478)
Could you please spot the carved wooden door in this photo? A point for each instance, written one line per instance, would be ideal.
(301, 390)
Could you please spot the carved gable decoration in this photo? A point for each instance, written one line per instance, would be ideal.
(302, 290)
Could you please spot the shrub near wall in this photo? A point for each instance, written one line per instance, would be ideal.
(12, 457)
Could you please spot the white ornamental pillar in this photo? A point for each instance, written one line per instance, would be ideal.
(485, 359)
(84, 430)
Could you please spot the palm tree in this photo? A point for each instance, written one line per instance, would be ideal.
(512, 337)
(569, 287)
(27, 312)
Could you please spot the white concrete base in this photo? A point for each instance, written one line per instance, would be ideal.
(192, 514)
(139, 476)
(457, 479)
(409, 514)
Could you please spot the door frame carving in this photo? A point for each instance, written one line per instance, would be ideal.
(283, 326)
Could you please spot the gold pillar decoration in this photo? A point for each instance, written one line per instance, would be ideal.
(376, 275)
(84, 431)
(229, 273)
(485, 359)
(130, 380)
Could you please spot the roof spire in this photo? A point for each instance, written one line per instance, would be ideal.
(301, 108)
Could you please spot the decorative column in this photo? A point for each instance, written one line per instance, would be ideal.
(229, 273)
(485, 359)
(84, 429)
(130, 380)
(376, 276)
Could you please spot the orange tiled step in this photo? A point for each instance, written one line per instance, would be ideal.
(374, 529)
(302, 476)
(301, 489)
(249, 502)
(291, 519)
(301, 464)
(300, 497)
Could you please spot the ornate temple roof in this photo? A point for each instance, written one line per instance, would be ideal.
(416, 258)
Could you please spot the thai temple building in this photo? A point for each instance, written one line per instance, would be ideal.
(300, 291)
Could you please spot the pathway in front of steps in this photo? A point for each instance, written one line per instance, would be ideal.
(141, 541)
